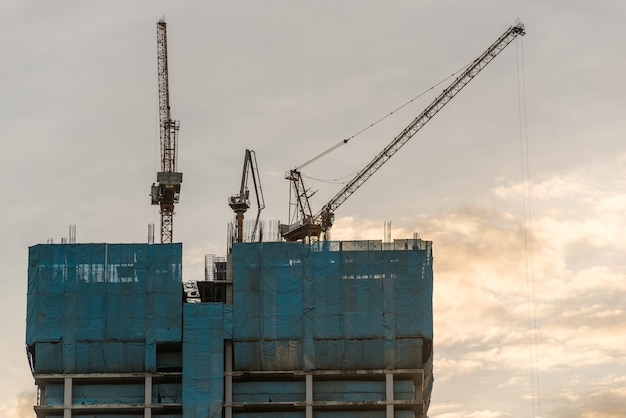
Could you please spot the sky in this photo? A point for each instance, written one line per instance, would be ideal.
(520, 181)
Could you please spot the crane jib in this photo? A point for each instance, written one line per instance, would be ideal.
(427, 114)
(308, 225)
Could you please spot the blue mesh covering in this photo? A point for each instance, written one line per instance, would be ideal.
(324, 414)
(270, 415)
(114, 394)
(354, 414)
(129, 415)
(330, 390)
(269, 391)
(331, 305)
(94, 356)
(102, 307)
(203, 358)
(97, 394)
(167, 393)
(349, 391)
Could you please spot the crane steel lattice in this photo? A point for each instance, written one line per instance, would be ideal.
(166, 192)
(313, 225)
(240, 203)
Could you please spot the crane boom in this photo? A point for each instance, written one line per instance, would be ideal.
(323, 219)
(166, 192)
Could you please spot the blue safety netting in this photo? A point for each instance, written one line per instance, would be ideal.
(94, 357)
(137, 415)
(269, 415)
(325, 414)
(331, 305)
(329, 390)
(102, 307)
(98, 394)
(205, 326)
(273, 391)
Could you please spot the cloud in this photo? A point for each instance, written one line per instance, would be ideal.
(458, 411)
(20, 406)
(591, 398)
(558, 186)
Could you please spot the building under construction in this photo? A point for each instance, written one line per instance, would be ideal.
(328, 329)
(288, 324)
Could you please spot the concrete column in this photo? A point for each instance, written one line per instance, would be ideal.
(389, 394)
(147, 411)
(41, 395)
(67, 398)
(309, 395)
(228, 379)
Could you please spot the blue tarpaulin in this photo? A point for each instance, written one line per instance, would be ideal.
(203, 358)
(102, 307)
(331, 305)
(325, 414)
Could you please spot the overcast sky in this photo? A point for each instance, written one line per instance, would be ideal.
(530, 278)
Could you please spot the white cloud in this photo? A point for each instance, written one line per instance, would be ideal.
(19, 406)
(558, 186)
(458, 411)
(590, 398)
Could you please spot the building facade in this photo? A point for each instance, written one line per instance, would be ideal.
(326, 329)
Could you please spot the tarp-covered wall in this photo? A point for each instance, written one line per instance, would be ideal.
(93, 394)
(331, 305)
(325, 390)
(206, 325)
(102, 307)
(105, 415)
(324, 414)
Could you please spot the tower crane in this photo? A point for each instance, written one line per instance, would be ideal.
(304, 224)
(166, 192)
(240, 203)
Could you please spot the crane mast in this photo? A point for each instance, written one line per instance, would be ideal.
(313, 225)
(166, 192)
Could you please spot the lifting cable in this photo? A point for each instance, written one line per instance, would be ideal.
(528, 232)
(345, 141)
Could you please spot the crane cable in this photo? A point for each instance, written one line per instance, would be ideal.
(528, 234)
(345, 141)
